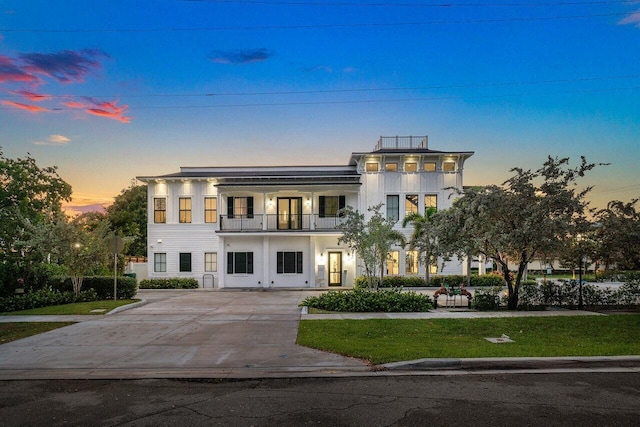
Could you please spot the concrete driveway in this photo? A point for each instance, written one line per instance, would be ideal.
(179, 334)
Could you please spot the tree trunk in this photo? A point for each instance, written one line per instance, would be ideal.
(426, 273)
(468, 271)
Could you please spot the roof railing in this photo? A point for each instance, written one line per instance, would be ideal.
(402, 142)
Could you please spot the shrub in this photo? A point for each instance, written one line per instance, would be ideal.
(44, 298)
(487, 299)
(172, 283)
(487, 280)
(365, 300)
(102, 285)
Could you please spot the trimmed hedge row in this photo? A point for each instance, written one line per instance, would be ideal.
(365, 300)
(487, 280)
(44, 298)
(102, 285)
(172, 283)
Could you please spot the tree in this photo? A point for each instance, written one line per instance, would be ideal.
(371, 240)
(532, 212)
(424, 238)
(27, 193)
(617, 233)
(128, 217)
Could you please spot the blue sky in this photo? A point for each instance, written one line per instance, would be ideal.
(108, 90)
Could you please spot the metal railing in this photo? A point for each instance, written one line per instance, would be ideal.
(279, 222)
(402, 142)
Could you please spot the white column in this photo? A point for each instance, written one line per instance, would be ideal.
(266, 274)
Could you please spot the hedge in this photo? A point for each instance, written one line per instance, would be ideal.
(365, 300)
(487, 280)
(172, 283)
(44, 298)
(102, 285)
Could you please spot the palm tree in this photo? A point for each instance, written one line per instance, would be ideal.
(424, 237)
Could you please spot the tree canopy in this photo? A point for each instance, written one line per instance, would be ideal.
(128, 217)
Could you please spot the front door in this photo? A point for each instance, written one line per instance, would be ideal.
(335, 268)
(289, 213)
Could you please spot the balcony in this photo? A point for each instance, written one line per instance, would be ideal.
(278, 223)
(402, 143)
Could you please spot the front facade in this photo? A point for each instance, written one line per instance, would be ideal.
(275, 227)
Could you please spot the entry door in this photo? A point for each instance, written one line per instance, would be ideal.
(289, 213)
(335, 268)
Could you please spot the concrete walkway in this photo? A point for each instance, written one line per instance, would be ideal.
(216, 334)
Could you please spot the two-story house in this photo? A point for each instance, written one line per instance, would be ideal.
(275, 227)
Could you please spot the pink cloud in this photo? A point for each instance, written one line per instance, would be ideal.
(31, 96)
(68, 66)
(27, 107)
(108, 109)
(10, 71)
(633, 18)
(74, 104)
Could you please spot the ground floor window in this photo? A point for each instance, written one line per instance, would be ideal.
(239, 262)
(185, 261)
(160, 262)
(393, 263)
(411, 262)
(289, 263)
(211, 261)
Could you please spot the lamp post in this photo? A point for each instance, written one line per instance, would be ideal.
(580, 302)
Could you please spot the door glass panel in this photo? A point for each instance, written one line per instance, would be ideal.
(289, 213)
(335, 268)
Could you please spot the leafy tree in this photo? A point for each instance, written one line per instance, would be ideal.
(617, 233)
(371, 240)
(532, 212)
(28, 194)
(424, 238)
(128, 217)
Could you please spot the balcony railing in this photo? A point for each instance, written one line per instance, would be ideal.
(402, 142)
(279, 222)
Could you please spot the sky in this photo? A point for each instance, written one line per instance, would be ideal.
(111, 90)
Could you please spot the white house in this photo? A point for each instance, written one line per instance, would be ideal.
(274, 227)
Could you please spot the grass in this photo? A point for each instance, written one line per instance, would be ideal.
(75, 308)
(391, 340)
(15, 331)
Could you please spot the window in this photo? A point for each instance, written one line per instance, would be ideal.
(240, 206)
(371, 167)
(391, 167)
(160, 263)
(429, 166)
(160, 210)
(185, 261)
(449, 166)
(328, 206)
(289, 262)
(433, 269)
(430, 202)
(211, 261)
(411, 167)
(411, 204)
(240, 262)
(210, 209)
(411, 262)
(185, 210)
(393, 208)
(392, 263)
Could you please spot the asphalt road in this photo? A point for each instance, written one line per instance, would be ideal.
(541, 399)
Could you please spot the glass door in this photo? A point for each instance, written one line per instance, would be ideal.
(289, 213)
(335, 268)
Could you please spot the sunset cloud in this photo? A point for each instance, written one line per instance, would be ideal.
(108, 109)
(241, 56)
(31, 96)
(54, 140)
(633, 19)
(10, 71)
(68, 66)
(26, 107)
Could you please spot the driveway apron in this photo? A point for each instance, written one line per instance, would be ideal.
(178, 334)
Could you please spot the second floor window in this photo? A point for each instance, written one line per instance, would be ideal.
(160, 210)
(185, 210)
(393, 208)
(411, 167)
(210, 209)
(240, 206)
(329, 206)
(430, 202)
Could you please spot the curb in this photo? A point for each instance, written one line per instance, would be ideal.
(515, 363)
(126, 307)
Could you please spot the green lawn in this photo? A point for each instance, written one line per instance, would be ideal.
(391, 340)
(75, 308)
(15, 331)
